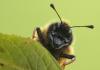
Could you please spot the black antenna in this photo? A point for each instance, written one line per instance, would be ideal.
(53, 7)
(88, 26)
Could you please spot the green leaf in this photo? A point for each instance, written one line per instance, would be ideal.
(18, 53)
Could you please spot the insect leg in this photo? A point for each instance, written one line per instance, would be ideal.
(71, 57)
(41, 37)
(33, 35)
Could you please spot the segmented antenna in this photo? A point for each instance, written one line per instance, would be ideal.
(53, 7)
(88, 26)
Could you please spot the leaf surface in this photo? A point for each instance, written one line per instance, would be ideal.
(18, 53)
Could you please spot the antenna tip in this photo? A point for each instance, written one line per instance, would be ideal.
(51, 5)
(91, 26)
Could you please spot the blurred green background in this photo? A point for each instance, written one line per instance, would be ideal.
(19, 17)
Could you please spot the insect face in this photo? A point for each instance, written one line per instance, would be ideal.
(59, 35)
